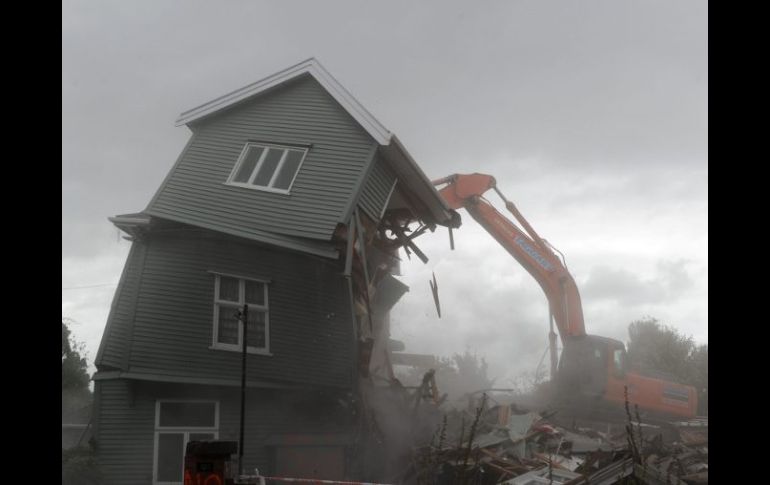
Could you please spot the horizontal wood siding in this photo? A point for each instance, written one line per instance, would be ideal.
(310, 330)
(125, 437)
(377, 189)
(115, 341)
(301, 112)
(124, 434)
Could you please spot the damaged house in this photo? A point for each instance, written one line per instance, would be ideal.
(289, 197)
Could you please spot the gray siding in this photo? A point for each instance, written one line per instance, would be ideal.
(124, 434)
(126, 424)
(115, 341)
(310, 330)
(301, 112)
(377, 189)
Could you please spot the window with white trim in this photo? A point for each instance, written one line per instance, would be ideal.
(177, 423)
(230, 294)
(267, 167)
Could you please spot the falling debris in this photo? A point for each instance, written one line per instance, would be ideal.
(434, 290)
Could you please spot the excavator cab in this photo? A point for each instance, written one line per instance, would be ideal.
(583, 366)
(587, 368)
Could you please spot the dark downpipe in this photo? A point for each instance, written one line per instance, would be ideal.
(244, 320)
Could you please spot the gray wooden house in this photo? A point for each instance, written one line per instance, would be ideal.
(292, 198)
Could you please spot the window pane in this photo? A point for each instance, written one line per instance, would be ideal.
(228, 289)
(255, 292)
(189, 414)
(290, 166)
(256, 333)
(268, 166)
(248, 164)
(620, 367)
(227, 332)
(170, 456)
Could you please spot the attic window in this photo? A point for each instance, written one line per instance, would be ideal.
(267, 167)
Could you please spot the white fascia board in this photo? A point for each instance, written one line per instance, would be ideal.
(131, 221)
(309, 66)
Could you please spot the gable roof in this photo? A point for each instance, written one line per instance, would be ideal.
(310, 66)
(390, 146)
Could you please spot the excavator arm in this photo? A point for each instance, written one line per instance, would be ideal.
(524, 244)
(591, 365)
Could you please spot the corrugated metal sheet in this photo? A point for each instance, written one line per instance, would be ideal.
(300, 112)
(126, 432)
(310, 327)
(377, 189)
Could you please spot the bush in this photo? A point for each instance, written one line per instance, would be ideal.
(78, 467)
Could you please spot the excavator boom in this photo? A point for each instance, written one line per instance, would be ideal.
(591, 366)
(524, 244)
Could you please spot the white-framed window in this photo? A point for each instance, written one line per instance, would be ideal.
(267, 167)
(230, 294)
(176, 423)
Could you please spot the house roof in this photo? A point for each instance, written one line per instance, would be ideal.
(309, 66)
(395, 153)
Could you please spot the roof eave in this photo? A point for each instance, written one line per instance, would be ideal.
(132, 224)
(417, 182)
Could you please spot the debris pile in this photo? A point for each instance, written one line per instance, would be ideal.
(685, 460)
(504, 444)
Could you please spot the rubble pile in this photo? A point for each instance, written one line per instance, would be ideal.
(686, 458)
(504, 444)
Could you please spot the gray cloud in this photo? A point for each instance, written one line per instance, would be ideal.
(628, 288)
(591, 115)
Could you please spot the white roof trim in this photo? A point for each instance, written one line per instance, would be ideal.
(315, 69)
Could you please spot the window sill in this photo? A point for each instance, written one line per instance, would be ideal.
(233, 348)
(258, 187)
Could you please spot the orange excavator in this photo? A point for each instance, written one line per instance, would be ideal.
(592, 369)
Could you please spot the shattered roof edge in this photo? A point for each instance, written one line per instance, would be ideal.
(439, 207)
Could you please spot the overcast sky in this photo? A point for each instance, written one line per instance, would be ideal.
(591, 115)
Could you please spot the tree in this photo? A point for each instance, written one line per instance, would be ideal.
(660, 350)
(74, 376)
(76, 395)
(78, 465)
